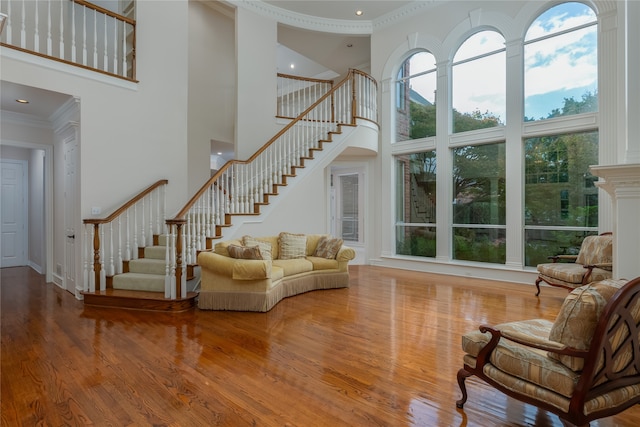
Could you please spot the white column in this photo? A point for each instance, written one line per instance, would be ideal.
(622, 182)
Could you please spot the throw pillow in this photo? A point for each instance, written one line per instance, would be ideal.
(291, 246)
(596, 250)
(244, 252)
(265, 247)
(328, 247)
(576, 322)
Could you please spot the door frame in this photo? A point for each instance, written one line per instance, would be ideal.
(48, 199)
(350, 168)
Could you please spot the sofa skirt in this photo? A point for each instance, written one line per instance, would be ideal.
(239, 300)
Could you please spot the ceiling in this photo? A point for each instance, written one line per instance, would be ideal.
(341, 9)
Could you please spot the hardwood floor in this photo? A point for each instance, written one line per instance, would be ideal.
(384, 352)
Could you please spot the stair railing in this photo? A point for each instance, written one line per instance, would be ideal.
(240, 186)
(73, 32)
(110, 241)
(295, 94)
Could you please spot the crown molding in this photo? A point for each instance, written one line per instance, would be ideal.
(338, 26)
(11, 117)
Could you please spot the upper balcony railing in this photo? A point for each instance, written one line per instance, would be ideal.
(74, 32)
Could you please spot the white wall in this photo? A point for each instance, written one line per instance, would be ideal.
(36, 211)
(131, 135)
(256, 44)
(212, 86)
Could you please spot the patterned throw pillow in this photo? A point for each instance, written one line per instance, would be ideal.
(596, 250)
(292, 246)
(265, 247)
(576, 322)
(244, 252)
(328, 247)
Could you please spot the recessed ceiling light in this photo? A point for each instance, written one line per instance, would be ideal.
(219, 153)
(292, 66)
(359, 13)
(22, 101)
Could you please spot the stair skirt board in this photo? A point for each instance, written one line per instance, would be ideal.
(139, 300)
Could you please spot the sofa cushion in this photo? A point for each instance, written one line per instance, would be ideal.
(292, 246)
(328, 247)
(251, 270)
(220, 248)
(244, 252)
(293, 266)
(320, 263)
(576, 322)
(264, 246)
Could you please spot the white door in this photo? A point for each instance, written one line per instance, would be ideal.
(70, 189)
(347, 209)
(13, 213)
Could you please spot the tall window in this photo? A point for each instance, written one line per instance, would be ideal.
(416, 97)
(561, 63)
(561, 200)
(479, 203)
(416, 204)
(479, 96)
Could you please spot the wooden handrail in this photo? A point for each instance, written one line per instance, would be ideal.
(105, 11)
(306, 79)
(182, 213)
(127, 205)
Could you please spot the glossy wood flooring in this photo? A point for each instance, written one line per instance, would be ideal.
(384, 352)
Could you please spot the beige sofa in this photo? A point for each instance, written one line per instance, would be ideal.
(291, 264)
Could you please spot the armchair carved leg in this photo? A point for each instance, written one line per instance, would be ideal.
(463, 374)
(538, 280)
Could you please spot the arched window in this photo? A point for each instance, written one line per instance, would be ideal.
(478, 78)
(561, 63)
(561, 75)
(416, 97)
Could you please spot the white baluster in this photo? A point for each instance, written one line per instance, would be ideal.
(73, 32)
(115, 48)
(143, 230)
(61, 53)
(8, 31)
(103, 273)
(112, 269)
(127, 237)
(36, 38)
(84, 36)
(49, 37)
(105, 55)
(23, 26)
(124, 49)
(119, 246)
(95, 39)
(134, 254)
(151, 242)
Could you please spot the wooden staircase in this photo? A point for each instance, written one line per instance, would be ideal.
(153, 278)
(141, 284)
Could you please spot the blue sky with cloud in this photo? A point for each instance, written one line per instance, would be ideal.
(560, 61)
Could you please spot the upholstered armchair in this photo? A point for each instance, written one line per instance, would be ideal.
(582, 367)
(592, 263)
